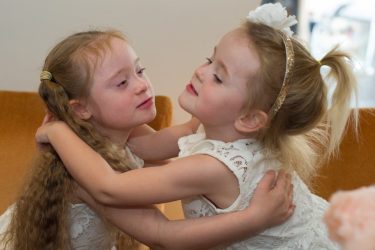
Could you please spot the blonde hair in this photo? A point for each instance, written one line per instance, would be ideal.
(40, 219)
(306, 129)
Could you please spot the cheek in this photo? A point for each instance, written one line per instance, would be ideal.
(150, 86)
(111, 110)
(214, 98)
(228, 103)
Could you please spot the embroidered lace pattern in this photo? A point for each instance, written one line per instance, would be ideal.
(87, 231)
(304, 230)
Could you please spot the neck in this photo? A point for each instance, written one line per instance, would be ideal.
(117, 137)
(225, 134)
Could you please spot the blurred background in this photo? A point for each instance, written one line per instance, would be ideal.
(350, 24)
(173, 37)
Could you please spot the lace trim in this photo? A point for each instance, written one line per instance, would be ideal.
(304, 230)
(87, 230)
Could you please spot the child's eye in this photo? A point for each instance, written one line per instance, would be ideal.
(209, 60)
(217, 79)
(122, 83)
(141, 71)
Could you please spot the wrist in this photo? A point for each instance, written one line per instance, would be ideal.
(251, 216)
(57, 128)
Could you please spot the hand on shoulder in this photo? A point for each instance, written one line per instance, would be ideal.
(48, 126)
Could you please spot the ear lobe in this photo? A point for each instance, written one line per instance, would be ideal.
(251, 122)
(80, 109)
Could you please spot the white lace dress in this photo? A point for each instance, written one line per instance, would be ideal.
(87, 230)
(304, 230)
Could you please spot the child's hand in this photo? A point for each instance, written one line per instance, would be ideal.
(193, 123)
(273, 199)
(41, 135)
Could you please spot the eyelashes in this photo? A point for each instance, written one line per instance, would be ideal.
(141, 71)
(216, 77)
(122, 83)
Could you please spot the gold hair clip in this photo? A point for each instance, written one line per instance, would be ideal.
(288, 67)
(45, 75)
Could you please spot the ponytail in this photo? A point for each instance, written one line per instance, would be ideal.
(340, 110)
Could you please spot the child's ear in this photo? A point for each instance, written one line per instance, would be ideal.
(80, 109)
(251, 122)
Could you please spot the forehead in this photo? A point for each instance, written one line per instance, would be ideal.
(236, 50)
(118, 56)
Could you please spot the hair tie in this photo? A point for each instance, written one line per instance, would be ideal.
(45, 75)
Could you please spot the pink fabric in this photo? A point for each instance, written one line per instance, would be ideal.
(351, 218)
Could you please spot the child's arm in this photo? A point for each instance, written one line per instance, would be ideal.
(137, 187)
(270, 206)
(144, 140)
(181, 178)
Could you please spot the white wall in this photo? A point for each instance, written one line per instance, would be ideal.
(172, 37)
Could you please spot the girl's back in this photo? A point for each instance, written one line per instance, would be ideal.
(246, 159)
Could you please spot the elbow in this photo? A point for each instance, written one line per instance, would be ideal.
(104, 195)
(104, 198)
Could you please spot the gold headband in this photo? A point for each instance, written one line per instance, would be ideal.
(45, 75)
(288, 67)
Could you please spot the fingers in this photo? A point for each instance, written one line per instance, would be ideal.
(48, 117)
(283, 185)
(283, 182)
(290, 210)
(268, 180)
(45, 119)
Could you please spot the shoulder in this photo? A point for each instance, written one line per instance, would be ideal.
(200, 163)
(202, 171)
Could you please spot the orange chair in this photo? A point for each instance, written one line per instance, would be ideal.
(355, 164)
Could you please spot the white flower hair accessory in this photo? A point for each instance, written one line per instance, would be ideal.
(273, 15)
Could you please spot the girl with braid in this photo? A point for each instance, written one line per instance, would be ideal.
(264, 105)
(94, 83)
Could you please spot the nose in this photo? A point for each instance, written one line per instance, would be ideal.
(199, 73)
(142, 85)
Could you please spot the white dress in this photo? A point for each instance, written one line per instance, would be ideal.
(304, 230)
(87, 230)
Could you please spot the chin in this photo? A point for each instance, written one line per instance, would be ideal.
(152, 116)
(148, 117)
(183, 101)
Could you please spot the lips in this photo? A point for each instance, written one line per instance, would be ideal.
(146, 104)
(190, 88)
